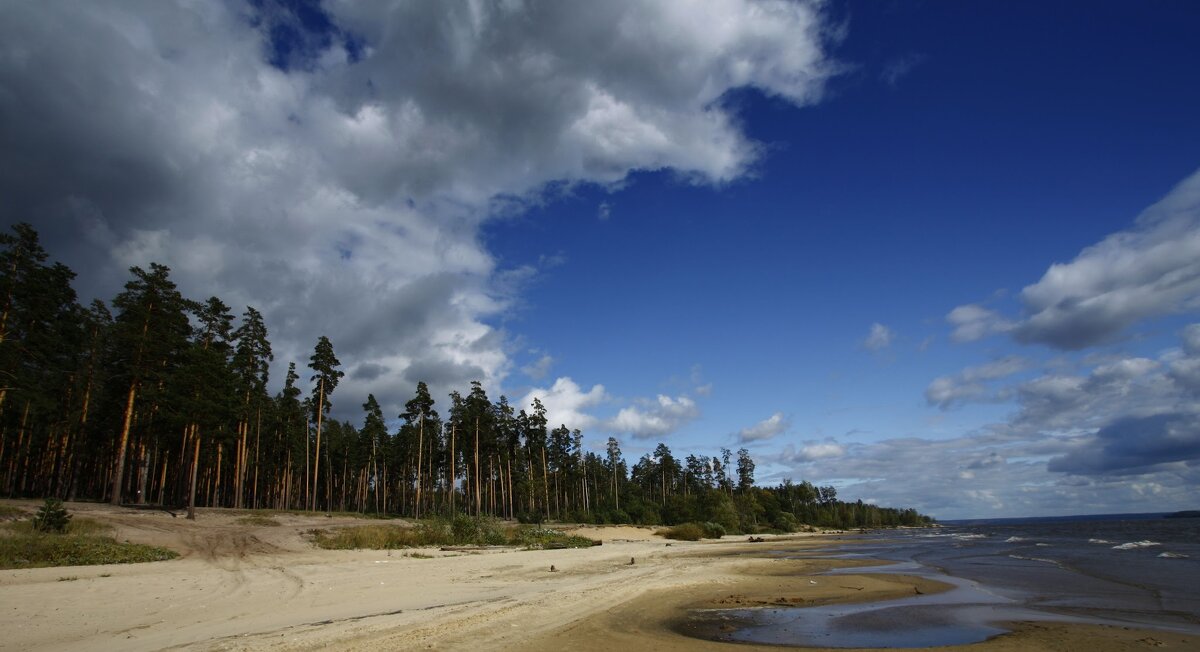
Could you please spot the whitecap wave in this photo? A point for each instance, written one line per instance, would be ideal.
(1099, 541)
(1136, 544)
(1014, 539)
(1172, 555)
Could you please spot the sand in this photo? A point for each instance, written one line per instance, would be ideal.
(239, 586)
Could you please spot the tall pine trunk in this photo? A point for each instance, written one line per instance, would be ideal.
(317, 450)
(123, 443)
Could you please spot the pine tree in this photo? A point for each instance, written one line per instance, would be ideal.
(374, 431)
(420, 431)
(251, 363)
(51, 517)
(326, 375)
(149, 334)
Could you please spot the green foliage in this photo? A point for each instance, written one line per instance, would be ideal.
(684, 532)
(694, 531)
(459, 530)
(52, 517)
(21, 546)
(530, 518)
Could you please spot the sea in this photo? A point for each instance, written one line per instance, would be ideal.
(1131, 570)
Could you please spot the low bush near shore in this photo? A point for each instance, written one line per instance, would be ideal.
(460, 530)
(83, 543)
(694, 531)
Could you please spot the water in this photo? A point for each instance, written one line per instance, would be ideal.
(1142, 573)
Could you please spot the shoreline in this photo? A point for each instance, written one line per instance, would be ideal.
(240, 586)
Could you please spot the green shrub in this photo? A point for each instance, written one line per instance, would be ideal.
(22, 546)
(52, 517)
(460, 530)
(684, 532)
(713, 530)
(530, 518)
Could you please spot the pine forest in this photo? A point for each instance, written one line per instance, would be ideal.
(160, 399)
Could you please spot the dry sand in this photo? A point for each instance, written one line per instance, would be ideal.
(254, 587)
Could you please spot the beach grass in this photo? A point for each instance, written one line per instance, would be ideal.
(460, 530)
(86, 542)
(11, 511)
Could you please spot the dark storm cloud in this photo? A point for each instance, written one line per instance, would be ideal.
(1135, 445)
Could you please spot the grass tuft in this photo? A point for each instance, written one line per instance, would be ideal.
(12, 512)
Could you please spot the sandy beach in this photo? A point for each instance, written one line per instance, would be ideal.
(240, 586)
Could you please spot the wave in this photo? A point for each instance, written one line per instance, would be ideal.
(1136, 544)
(1172, 555)
(970, 536)
(1099, 541)
(1014, 539)
(1044, 561)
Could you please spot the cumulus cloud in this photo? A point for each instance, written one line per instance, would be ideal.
(1135, 445)
(765, 429)
(655, 418)
(971, 384)
(811, 452)
(338, 184)
(566, 402)
(878, 338)
(1105, 434)
(1149, 270)
(973, 322)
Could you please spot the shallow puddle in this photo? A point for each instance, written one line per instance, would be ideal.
(965, 614)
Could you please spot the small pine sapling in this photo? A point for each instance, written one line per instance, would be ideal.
(51, 517)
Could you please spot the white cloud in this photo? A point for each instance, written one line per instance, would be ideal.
(899, 68)
(1147, 271)
(538, 369)
(765, 429)
(566, 403)
(343, 195)
(973, 322)
(879, 337)
(657, 418)
(972, 383)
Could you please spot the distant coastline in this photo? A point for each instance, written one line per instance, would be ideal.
(1189, 513)
(1025, 520)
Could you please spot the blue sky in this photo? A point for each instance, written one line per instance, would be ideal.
(937, 254)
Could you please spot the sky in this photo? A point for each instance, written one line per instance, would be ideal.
(943, 255)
